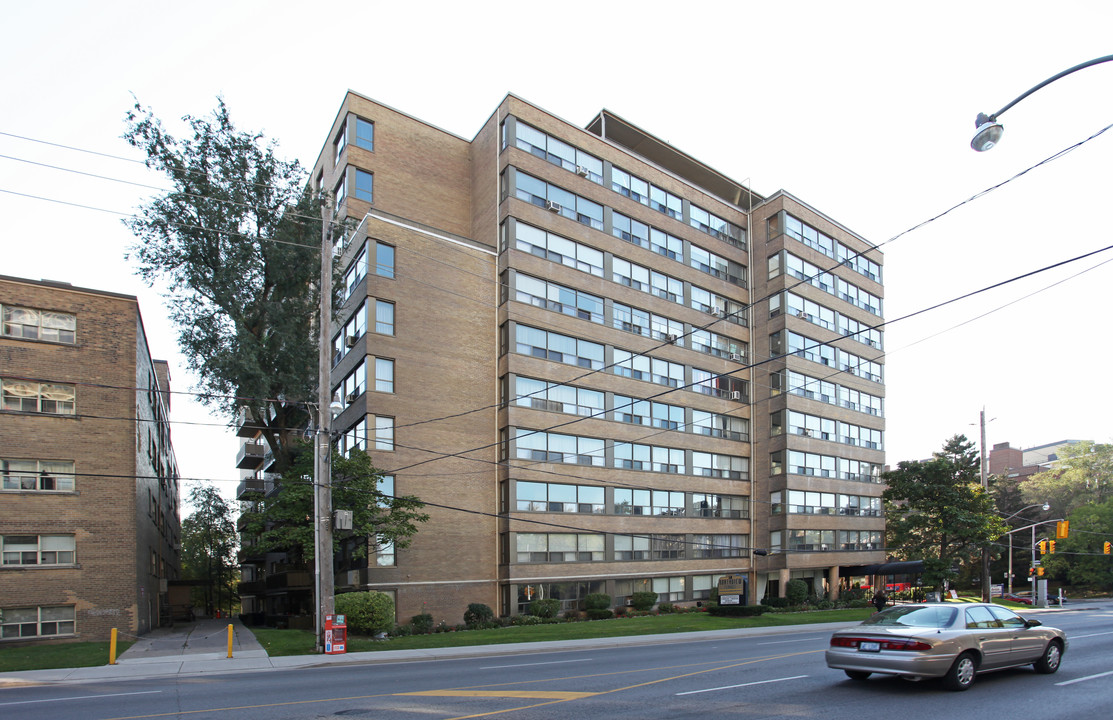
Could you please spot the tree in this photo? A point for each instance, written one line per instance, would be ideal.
(1079, 558)
(237, 240)
(209, 546)
(283, 521)
(1083, 475)
(937, 511)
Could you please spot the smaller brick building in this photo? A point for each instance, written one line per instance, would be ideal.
(89, 496)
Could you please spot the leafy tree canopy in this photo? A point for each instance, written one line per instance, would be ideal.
(937, 511)
(284, 520)
(1084, 475)
(1079, 558)
(209, 543)
(237, 242)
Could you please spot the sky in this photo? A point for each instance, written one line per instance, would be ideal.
(864, 110)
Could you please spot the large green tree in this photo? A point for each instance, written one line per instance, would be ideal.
(937, 511)
(282, 520)
(209, 547)
(1083, 475)
(1079, 558)
(237, 243)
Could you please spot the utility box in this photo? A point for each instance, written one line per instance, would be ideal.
(336, 634)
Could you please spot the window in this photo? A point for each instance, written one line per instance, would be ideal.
(553, 397)
(355, 272)
(724, 386)
(558, 249)
(631, 547)
(558, 348)
(649, 413)
(340, 143)
(717, 266)
(384, 317)
(37, 475)
(718, 306)
(24, 396)
(634, 456)
(722, 466)
(559, 547)
(384, 375)
(352, 331)
(720, 506)
(724, 426)
(354, 385)
(558, 152)
(558, 448)
(42, 621)
(665, 202)
(37, 549)
(711, 343)
(341, 192)
(629, 185)
(650, 281)
(365, 134)
(666, 547)
(354, 437)
(629, 229)
(32, 324)
(384, 433)
(643, 367)
(715, 226)
(558, 298)
(558, 200)
(555, 497)
(647, 324)
(364, 185)
(720, 546)
(384, 260)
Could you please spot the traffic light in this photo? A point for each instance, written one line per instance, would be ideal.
(1039, 571)
(1062, 529)
(1043, 547)
(1108, 547)
(1031, 572)
(1051, 546)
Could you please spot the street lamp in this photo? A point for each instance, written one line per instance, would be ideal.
(989, 130)
(1045, 507)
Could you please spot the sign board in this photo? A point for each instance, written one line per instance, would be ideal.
(730, 600)
(731, 585)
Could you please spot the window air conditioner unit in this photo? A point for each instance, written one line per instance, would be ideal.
(735, 394)
(670, 338)
(554, 207)
(737, 357)
(717, 312)
(581, 171)
(351, 397)
(350, 340)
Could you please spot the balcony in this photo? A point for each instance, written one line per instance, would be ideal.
(256, 587)
(294, 579)
(250, 485)
(246, 427)
(250, 456)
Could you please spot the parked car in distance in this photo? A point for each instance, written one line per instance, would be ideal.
(1013, 597)
(951, 641)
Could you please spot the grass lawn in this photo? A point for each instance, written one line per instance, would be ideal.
(62, 655)
(300, 642)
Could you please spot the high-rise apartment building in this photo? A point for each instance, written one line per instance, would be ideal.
(89, 497)
(606, 366)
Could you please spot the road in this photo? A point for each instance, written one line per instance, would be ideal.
(760, 677)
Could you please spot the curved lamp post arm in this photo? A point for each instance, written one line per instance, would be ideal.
(989, 130)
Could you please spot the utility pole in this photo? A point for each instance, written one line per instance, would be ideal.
(322, 446)
(985, 488)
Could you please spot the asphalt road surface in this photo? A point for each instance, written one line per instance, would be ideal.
(779, 676)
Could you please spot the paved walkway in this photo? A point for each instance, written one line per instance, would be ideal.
(201, 648)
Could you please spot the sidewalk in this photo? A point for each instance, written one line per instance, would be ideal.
(201, 648)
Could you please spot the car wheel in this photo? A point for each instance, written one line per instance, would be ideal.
(1049, 661)
(961, 674)
(857, 674)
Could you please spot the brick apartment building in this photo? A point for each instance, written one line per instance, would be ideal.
(606, 366)
(89, 529)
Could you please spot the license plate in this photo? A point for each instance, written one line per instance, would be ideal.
(869, 647)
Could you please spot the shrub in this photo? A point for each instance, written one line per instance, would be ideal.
(796, 591)
(643, 600)
(525, 620)
(775, 602)
(422, 624)
(597, 601)
(666, 607)
(599, 614)
(824, 604)
(478, 616)
(547, 608)
(368, 613)
(736, 610)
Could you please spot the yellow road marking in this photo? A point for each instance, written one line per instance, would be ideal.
(528, 694)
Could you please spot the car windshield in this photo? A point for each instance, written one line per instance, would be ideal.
(914, 616)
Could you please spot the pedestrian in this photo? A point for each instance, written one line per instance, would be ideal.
(879, 600)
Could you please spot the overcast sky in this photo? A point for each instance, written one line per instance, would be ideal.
(864, 110)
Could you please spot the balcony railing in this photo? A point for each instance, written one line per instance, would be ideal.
(250, 456)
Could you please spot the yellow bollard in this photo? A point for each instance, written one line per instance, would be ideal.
(112, 648)
(229, 640)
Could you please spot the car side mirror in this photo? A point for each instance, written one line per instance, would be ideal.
(1032, 623)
